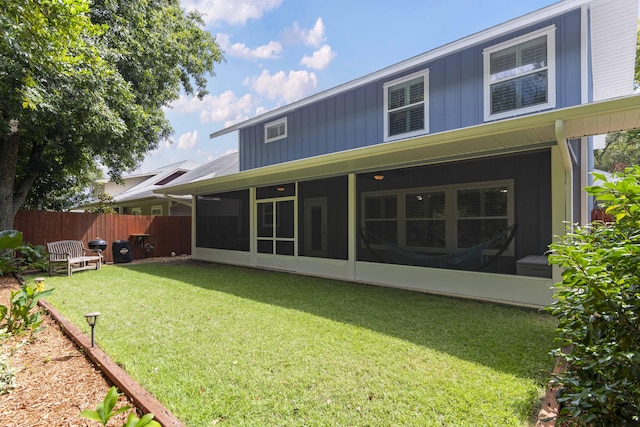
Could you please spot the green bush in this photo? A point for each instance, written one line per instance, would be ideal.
(18, 256)
(22, 314)
(105, 410)
(598, 306)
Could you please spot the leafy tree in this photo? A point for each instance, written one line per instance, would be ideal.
(622, 149)
(104, 206)
(85, 82)
(598, 308)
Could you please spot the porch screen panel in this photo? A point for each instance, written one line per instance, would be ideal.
(482, 213)
(323, 218)
(425, 220)
(222, 221)
(381, 217)
(264, 227)
(285, 228)
(275, 227)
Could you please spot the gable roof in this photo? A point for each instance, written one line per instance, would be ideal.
(623, 12)
(157, 179)
(224, 165)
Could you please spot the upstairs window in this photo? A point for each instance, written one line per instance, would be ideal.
(406, 108)
(275, 130)
(520, 75)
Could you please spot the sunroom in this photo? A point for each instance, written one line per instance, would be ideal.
(430, 195)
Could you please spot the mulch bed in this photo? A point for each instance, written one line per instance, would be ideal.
(54, 381)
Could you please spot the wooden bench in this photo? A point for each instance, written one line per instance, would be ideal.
(74, 255)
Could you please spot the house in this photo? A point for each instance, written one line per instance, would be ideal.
(433, 155)
(136, 195)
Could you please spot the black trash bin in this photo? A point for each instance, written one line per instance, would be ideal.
(121, 250)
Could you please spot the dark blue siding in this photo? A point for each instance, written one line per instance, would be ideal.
(354, 118)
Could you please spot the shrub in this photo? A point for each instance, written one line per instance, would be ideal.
(21, 316)
(105, 410)
(598, 306)
(16, 256)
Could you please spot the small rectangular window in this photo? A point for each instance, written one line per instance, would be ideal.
(406, 108)
(275, 130)
(520, 75)
(156, 210)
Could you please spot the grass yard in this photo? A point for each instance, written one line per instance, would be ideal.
(244, 347)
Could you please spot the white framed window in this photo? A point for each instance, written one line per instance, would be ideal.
(520, 75)
(156, 210)
(276, 130)
(440, 219)
(406, 106)
(136, 211)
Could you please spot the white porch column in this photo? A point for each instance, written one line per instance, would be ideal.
(253, 232)
(352, 221)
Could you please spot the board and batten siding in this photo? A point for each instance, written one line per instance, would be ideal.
(354, 118)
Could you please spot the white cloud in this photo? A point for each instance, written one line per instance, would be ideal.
(270, 50)
(227, 108)
(231, 11)
(313, 37)
(188, 140)
(320, 58)
(288, 87)
(185, 105)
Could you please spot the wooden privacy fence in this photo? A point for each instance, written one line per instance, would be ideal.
(598, 214)
(167, 234)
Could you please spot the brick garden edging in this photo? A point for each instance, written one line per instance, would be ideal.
(138, 395)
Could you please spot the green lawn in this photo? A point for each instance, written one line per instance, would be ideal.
(247, 347)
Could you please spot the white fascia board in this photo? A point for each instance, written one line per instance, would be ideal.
(474, 39)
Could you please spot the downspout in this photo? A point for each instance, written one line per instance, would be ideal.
(568, 170)
(567, 165)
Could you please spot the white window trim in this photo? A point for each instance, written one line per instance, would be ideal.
(425, 75)
(136, 211)
(450, 211)
(550, 32)
(157, 207)
(276, 123)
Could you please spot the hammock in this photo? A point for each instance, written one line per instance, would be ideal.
(467, 259)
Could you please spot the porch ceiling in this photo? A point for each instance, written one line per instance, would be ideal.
(506, 136)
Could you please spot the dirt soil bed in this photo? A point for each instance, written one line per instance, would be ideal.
(53, 379)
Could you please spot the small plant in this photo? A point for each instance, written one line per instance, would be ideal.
(18, 256)
(32, 257)
(21, 316)
(9, 241)
(598, 309)
(104, 411)
(6, 376)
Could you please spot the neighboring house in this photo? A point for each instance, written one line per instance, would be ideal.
(136, 196)
(432, 155)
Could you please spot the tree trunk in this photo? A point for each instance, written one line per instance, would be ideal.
(8, 163)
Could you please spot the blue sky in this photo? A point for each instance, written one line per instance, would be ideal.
(279, 51)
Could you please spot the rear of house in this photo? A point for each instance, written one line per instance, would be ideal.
(381, 179)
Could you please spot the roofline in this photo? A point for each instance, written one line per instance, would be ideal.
(581, 120)
(473, 39)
